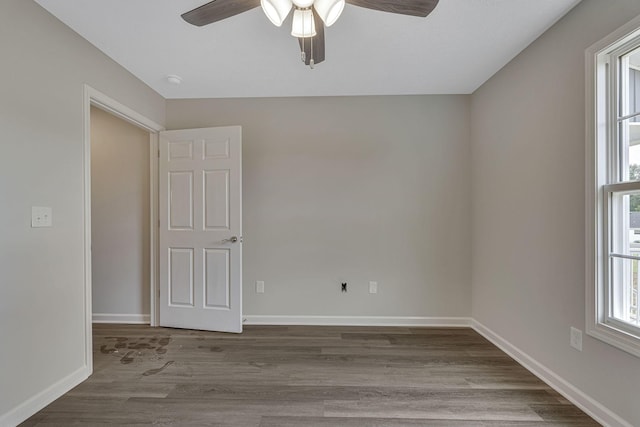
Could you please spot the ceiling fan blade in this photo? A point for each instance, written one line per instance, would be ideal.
(218, 10)
(403, 7)
(315, 43)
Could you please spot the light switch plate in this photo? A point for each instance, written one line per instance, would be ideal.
(41, 216)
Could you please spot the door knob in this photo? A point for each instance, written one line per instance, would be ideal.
(232, 239)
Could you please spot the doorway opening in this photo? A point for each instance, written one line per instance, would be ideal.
(107, 111)
(120, 196)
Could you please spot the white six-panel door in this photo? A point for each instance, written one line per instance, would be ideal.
(201, 229)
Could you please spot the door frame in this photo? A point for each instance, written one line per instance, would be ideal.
(93, 97)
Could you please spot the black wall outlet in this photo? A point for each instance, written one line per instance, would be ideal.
(344, 287)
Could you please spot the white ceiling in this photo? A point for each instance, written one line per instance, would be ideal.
(455, 49)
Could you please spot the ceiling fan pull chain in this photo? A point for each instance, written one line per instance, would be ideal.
(311, 61)
(304, 42)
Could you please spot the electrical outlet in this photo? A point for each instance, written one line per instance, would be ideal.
(259, 287)
(575, 339)
(373, 287)
(41, 217)
(344, 287)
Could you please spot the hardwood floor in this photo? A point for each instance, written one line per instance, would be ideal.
(306, 376)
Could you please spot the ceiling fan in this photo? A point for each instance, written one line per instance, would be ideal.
(309, 16)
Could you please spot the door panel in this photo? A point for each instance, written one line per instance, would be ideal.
(180, 150)
(217, 285)
(216, 200)
(181, 277)
(201, 229)
(181, 200)
(216, 149)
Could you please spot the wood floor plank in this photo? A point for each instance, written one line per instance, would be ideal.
(306, 376)
(432, 409)
(402, 422)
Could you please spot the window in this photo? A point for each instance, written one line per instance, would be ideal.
(613, 188)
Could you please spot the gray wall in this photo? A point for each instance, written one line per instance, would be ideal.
(351, 189)
(119, 217)
(528, 185)
(44, 66)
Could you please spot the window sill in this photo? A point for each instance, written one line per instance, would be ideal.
(615, 337)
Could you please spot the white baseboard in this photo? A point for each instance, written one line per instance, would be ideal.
(121, 318)
(26, 409)
(583, 401)
(358, 321)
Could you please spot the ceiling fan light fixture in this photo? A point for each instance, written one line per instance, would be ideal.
(329, 10)
(276, 10)
(303, 24)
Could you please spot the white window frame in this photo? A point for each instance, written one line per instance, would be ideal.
(601, 140)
